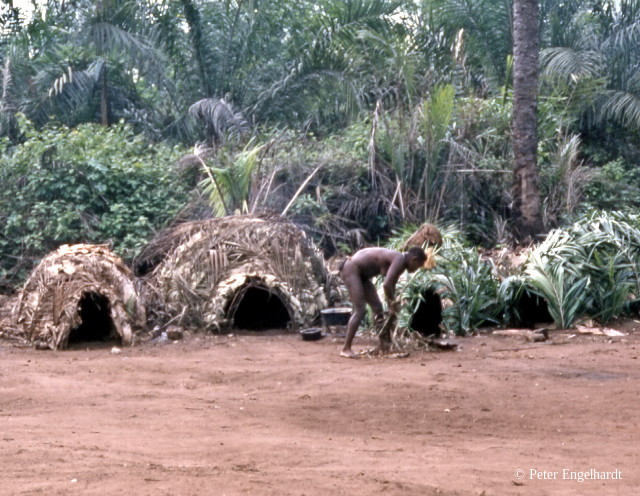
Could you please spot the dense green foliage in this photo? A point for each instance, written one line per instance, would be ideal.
(87, 184)
(466, 282)
(590, 269)
(355, 117)
(306, 64)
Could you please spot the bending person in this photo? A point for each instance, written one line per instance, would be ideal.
(357, 272)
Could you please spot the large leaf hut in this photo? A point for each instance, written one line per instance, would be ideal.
(240, 272)
(79, 293)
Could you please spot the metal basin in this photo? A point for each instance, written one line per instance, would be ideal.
(311, 334)
(335, 316)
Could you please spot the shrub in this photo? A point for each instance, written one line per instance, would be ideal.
(463, 279)
(89, 184)
(615, 186)
(591, 268)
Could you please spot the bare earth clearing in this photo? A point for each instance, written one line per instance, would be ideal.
(274, 415)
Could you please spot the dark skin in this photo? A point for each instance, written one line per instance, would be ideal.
(357, 273)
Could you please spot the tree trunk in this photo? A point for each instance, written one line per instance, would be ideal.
(104, 97)
(527, 214)
(192, 17)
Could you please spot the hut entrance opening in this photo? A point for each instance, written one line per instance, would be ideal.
(96, 322)
(428, 316)
(256, 307)
(529, 310)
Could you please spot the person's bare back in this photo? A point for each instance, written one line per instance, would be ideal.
(376, 261)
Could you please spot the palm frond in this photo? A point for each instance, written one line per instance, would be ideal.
(565, 295)
(221, 120)
(569, 64)
(626, 30)
(73, 87)
(369, 13)
(486, 30)
(619, 106)
(229, 185)
(73, 90)
(591, 268)
(328, 56)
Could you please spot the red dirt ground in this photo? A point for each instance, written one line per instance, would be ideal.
(275, 415)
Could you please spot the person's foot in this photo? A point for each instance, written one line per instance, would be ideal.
(348, 354)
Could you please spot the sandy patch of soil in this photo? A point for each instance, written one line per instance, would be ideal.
(274, 415)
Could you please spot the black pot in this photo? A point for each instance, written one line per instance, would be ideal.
(335, 316)
(311, 334)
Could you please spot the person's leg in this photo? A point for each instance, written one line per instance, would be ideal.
(372, 298)
(353, 282)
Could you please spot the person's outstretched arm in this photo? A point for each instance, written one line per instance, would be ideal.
(389, 285)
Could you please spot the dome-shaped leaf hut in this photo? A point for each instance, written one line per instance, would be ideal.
(79, 293)
(242, 272)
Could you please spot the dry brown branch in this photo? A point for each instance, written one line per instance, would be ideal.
(300, 189)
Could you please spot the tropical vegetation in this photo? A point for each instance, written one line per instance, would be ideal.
(354, 118)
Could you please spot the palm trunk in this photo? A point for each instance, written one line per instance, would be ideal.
(104, 97)
(227, 53)
(526, 195)
(192, 16)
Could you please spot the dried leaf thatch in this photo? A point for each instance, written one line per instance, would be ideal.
(426, 234)
(201, 270)
(48, 308)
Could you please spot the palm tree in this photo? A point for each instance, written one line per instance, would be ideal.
(8, 109)
(481, 31)
(595, 64)
(11, 27)
(201, 52)
(231, 51)
(526, 195)
(332, 61)
(87, 63)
